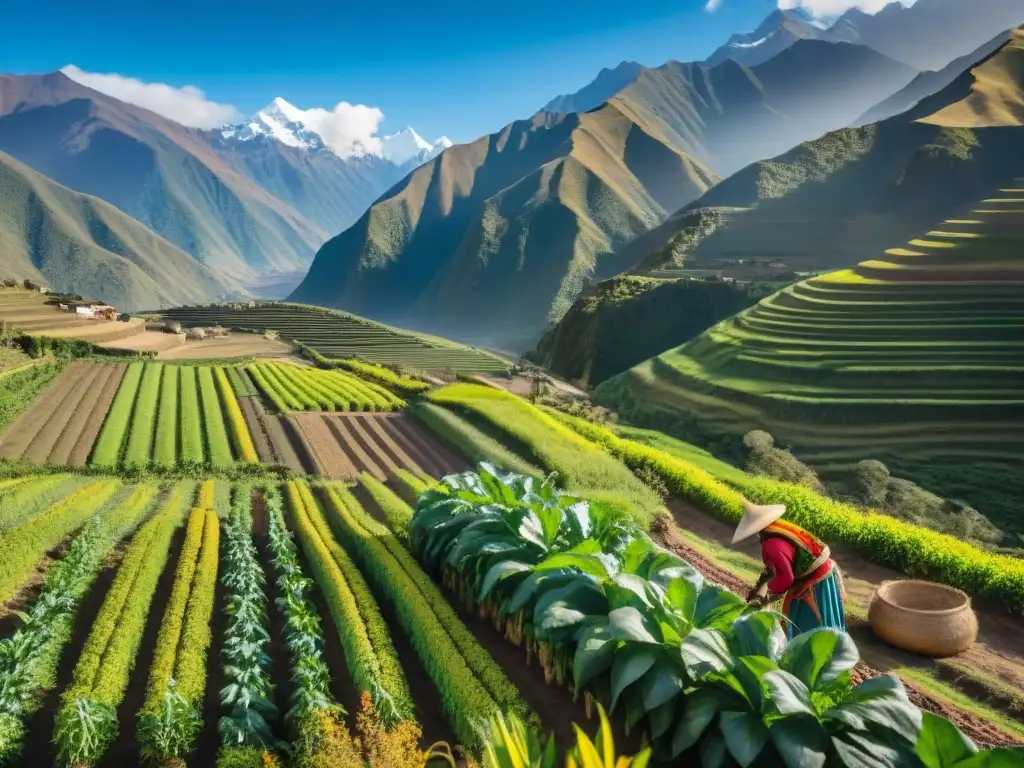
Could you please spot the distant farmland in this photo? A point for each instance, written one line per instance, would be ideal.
(339, 334)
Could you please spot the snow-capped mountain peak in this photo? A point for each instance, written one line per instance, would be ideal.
(285, 123)
(408, 145)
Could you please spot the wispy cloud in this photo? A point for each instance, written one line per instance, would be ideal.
(712, 5)
(187, 105)
(838, 7)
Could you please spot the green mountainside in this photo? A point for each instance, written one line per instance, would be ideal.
(81, 244)
(914, 357)
(161, 173)
(597, 337)
(492, 240)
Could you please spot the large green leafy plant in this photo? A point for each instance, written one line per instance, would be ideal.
(640, 630)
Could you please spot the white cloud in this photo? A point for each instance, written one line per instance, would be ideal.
(347, 129)
(712, 5)
(838, 7)
(187, 105)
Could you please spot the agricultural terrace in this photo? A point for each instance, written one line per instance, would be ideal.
(185, 621)
(301, 388)
(336, 334)
(915, 358)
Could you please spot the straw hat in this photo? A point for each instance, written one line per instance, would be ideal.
(757, 517)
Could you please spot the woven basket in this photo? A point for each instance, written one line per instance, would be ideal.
(926, 618)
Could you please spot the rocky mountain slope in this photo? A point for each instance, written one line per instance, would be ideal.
(81, 244)
(493, 239)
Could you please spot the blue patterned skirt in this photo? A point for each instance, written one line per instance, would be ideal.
(819, 605)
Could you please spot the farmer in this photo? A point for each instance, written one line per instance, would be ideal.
(797, 565)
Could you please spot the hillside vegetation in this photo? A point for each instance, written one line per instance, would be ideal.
(495, 238)
(914, 358)
(597, 337)
(80, 244)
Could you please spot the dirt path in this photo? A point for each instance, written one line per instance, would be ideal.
(861, 579)
(91, 429)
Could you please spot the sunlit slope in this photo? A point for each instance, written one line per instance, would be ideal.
(917, 354)
(492, 239)
(995, 97)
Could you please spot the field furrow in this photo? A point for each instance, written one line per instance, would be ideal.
(363, 456)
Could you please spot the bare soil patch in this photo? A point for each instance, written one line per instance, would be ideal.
(21, 433)
(235, 345)
(67, 439)
(94, 423)
(258, 431)
(43, 443)
(146, 341)
(331, 461)
(387, 443)
(446, 461)
(362, 458)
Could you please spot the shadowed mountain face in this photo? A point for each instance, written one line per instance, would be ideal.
(597, 92)
(775, 34)
(730, 115)
(161, 173)
(81, 244)
(492, 240)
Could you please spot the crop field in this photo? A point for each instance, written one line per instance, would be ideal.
(917, 356)
(194, 621)
(338, 334)
(301, 388)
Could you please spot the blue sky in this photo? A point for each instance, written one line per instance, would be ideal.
(461, 68)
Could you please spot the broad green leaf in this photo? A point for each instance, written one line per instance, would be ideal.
(788, 694)
(800, 742)
(820, 656)
(629, 624)
(940, 743)
(587, 563)
(594, 653)
(705, 651)
(718, 608)
(661, 685)
(744, 734)
(857, 749)
(712, 752)
(537, 583)
(498, 572)
(661, 718)
(567, 606)
(757, 634)
(700, 709)
(630, 663)
(880, 701)
(1001, 757)
(681, 596)
(751, 671)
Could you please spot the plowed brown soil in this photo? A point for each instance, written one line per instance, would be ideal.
(258, 431)
(91, 430)
(61, 450)
(20, 434)
(331, 460)
(389, 444)
(363, 458)
(43, 443)
(446, 461)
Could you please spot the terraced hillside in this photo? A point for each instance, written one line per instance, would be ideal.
(915, 358)
(339, 334)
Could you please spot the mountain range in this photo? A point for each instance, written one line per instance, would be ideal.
(243, 202)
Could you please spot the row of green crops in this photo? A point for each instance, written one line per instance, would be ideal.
(369, 653)
(167, 415)
(396, 512)
(915, 551)
(30, 656)
(706, 677)
(26, 497)
(471, 442)
(581, 466)
(249, 714)
(171, 717)
(299, 388)
(406, 386)
(240, 437)
(241, 382)
(87, 721)
(464, 673)
(23, 546)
